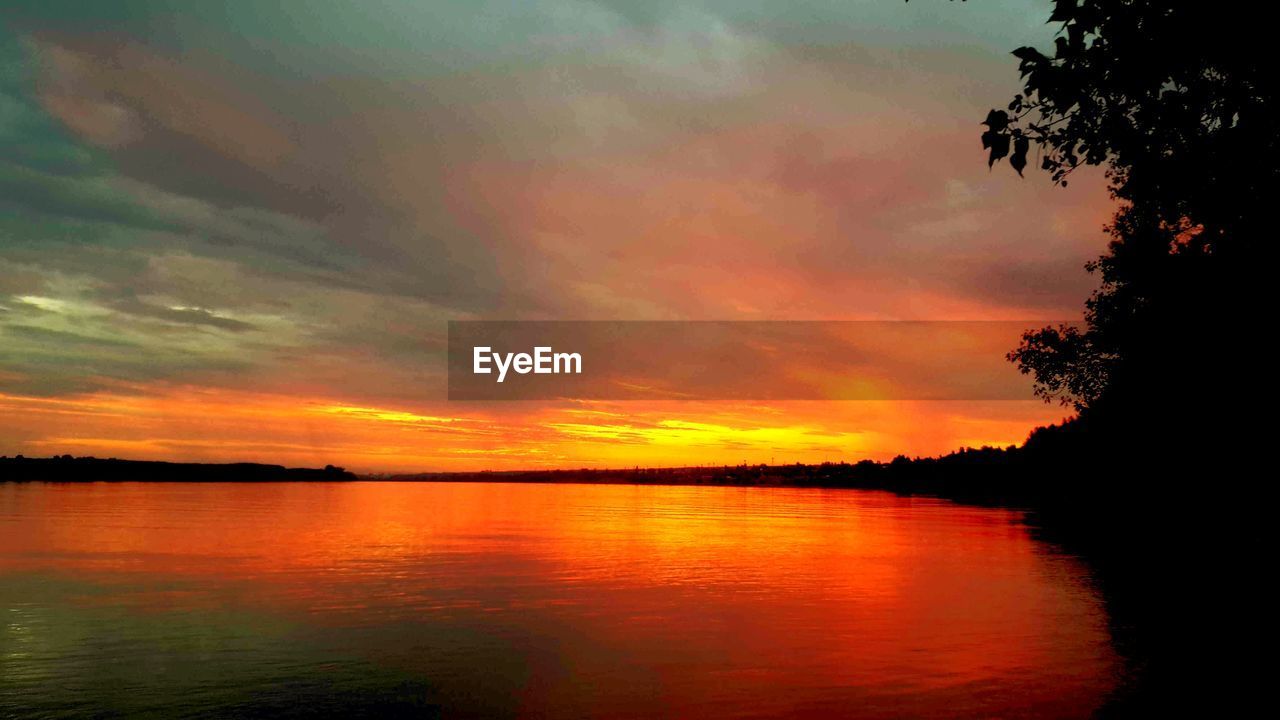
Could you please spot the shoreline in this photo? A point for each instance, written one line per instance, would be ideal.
(982, 478)
(67, 469)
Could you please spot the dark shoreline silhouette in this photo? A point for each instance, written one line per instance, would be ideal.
(983, 475)
(64, 468)
(921, 476)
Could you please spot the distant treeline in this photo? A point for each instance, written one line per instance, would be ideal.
(1026, 476)
(1047, 469)
(65, 468)
(975, 474)
(1052, 468)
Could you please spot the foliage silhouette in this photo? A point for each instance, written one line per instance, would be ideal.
(1178, 104)
(1177, 101)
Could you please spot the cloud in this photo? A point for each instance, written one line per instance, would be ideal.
(618, 146)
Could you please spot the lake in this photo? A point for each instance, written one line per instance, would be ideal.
(372, 599)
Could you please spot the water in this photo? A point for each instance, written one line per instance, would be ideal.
(512, 600)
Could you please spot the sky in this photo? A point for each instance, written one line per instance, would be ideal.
(237, 231)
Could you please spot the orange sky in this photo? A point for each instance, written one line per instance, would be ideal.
(208, 425)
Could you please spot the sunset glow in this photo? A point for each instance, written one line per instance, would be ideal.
(199, 424)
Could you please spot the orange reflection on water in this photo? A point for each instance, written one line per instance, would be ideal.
(608, 600)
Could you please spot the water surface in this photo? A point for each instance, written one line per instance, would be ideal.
(514, 600)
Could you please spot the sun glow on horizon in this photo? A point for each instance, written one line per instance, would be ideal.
(198, 424)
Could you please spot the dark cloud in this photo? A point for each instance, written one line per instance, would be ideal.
(182, 316)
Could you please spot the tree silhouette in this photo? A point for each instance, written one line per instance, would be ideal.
(1177, 101)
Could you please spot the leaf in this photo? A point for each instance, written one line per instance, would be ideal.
(1075, 34)
(997, 120)
(999, 148)
(1018, 160)
(1063, 10)
(1028, 54)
